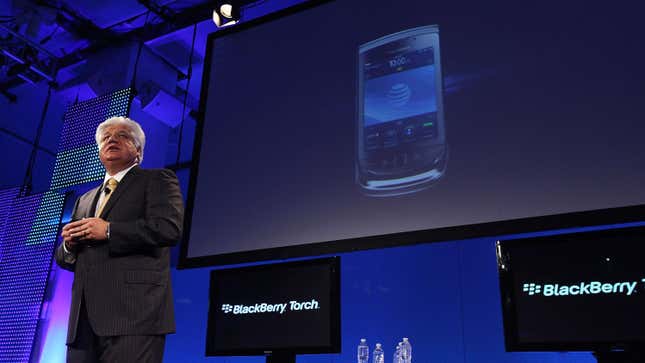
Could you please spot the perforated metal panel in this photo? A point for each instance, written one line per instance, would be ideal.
(77, 161)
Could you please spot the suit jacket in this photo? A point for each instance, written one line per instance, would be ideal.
(125, 281)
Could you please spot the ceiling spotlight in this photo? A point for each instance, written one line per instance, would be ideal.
(226, 13)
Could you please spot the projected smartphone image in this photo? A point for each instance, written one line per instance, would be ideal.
(401, 138)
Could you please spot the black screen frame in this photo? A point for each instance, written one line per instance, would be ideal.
(334, 315)
(509, 307)
(626, 214)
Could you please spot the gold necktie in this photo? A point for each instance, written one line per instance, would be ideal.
(109, 190)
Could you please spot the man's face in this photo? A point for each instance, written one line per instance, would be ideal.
(116, 147)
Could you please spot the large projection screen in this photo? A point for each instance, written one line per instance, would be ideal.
(343, 125)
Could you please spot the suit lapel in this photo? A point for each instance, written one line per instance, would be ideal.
(120, 190)
(94, 198)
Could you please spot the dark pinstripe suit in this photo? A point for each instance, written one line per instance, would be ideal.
(125, 281)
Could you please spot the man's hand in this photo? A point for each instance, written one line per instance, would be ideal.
(83, 230)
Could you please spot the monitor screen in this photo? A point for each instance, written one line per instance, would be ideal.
(580, 291)
(284, 308)
(336, 125)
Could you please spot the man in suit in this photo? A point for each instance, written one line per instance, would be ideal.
(118, 246)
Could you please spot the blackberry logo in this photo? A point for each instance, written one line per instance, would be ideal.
(532, 288)
(582, 288)
(280, 308)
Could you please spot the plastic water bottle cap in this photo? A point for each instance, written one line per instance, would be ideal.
(363, 340)
(378, 345)
(405, 339)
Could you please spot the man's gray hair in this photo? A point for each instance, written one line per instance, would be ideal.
(136, 132)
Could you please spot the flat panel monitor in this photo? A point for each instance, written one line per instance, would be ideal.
(277, 310)
(579, 291)
(342, 125)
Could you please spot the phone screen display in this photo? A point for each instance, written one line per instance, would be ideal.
(400, 133)
(401, 87)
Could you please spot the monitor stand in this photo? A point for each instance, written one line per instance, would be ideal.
(634, 356)
(281, 357)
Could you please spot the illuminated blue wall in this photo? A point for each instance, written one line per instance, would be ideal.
(29, 229)
(443, 296)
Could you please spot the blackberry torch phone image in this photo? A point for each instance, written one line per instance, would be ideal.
(401, 136)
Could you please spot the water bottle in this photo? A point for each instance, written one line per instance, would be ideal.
(406, 351)
(363, 351)
(397, 354)
(379, 355)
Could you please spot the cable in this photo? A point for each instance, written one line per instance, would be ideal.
(27, 182)
(136, 62)
(189, 76)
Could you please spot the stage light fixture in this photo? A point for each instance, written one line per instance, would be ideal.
(226, 13)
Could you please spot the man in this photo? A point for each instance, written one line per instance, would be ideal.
(118, 246)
